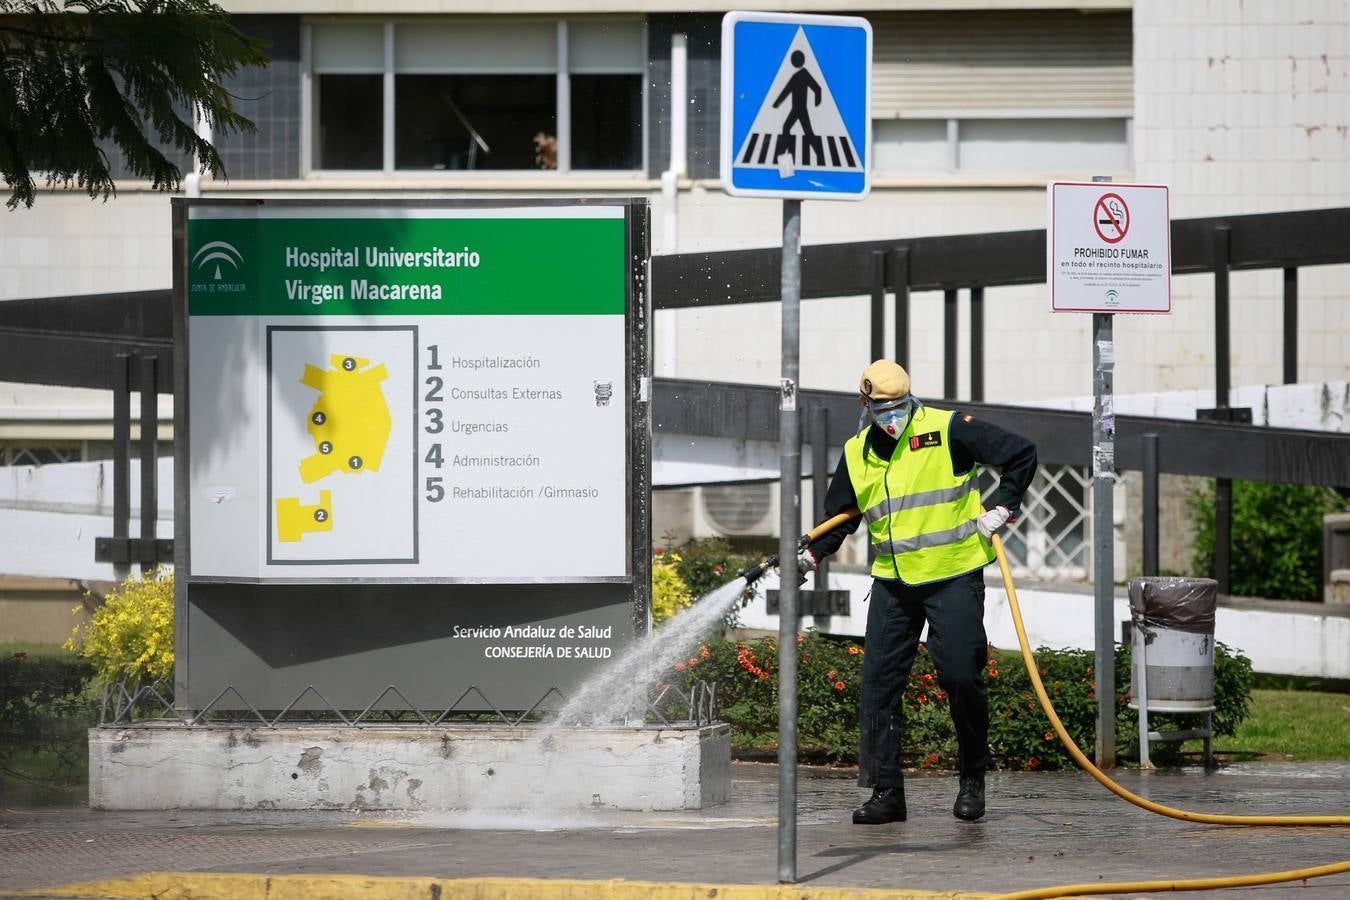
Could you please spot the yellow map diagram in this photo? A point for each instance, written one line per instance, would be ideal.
(350, 425)
(295, 521)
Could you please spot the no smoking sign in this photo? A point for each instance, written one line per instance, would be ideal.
(1109, 248)
(1111, 218)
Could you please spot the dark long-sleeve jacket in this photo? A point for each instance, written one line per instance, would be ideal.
(971, 442)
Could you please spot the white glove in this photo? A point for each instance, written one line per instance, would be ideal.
(806, 564)
(992, 520)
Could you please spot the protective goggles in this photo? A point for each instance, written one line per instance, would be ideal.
(900, 405)
(891, 416)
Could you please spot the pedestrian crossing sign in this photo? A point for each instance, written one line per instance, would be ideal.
(796, 106)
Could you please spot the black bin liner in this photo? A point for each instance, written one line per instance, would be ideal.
(1182, 604)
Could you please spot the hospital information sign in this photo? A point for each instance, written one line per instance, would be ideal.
(408, 392)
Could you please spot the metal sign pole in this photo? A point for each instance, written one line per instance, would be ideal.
(789, 525)
(1103, 533)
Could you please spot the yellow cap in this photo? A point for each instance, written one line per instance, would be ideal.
(884, 380)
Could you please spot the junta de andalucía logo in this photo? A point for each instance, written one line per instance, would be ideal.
(216, 267)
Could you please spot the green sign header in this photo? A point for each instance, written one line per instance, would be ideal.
(398, 266)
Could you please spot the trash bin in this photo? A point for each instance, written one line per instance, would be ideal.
(1172, 657)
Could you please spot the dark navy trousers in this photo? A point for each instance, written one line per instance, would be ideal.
(954, 611)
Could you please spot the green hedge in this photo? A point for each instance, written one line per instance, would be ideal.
(45, 711)
(829, 688)
(1276, 538)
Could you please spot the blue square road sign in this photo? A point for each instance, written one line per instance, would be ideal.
(796, 106)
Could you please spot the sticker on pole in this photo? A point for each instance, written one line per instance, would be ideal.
(1109, 248)
(796, 106)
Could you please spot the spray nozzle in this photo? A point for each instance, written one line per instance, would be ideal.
(755, 572)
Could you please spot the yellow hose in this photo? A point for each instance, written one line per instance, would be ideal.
(1197, 884)
(1086, 764)
(1193, 884)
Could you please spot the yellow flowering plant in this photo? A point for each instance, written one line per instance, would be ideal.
(701, 565)
(670, 594)
(130, 636)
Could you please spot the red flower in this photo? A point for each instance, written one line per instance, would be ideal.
(930, 760)
(718, 569)
(679, 667)
(829, 674)
(1049, 735)
(1033, 763)
(927, 679)
(923, 698)
(704, 652)
(838, 685)
(854, 650)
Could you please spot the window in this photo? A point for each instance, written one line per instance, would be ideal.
(348, 71)
(1042, 145)
(1049, 92)
(478, 96)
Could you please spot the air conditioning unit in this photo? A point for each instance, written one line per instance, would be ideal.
(736, 510)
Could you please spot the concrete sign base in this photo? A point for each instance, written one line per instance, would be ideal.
(407, 767)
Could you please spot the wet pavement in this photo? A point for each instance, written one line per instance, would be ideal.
(1041, 829)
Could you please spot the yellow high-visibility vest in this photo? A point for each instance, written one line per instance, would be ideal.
(920, 515)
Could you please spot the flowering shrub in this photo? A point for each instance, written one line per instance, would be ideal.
(698, 567)
(130, 636)
(669, 592)
(1020, 736)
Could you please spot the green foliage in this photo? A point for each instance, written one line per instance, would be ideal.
(1020, 735)
(44, 712)
(1276, 538)
(699, 566)
(669, 592)
(130, 637)
(75, 73)
(829, 682)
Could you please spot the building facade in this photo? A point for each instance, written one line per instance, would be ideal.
(1238, 107)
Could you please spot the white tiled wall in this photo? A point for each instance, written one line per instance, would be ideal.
(1243, 107)
(68, 244)
(1239, 106)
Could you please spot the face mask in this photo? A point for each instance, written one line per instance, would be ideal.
(891, 416)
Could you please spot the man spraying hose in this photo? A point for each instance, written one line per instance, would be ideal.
(911, 470)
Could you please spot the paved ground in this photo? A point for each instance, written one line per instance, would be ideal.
(1041, 830)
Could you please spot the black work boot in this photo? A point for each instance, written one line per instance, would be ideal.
(970, 801)
(887, 805)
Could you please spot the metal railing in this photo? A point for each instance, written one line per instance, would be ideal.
(130, 705)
